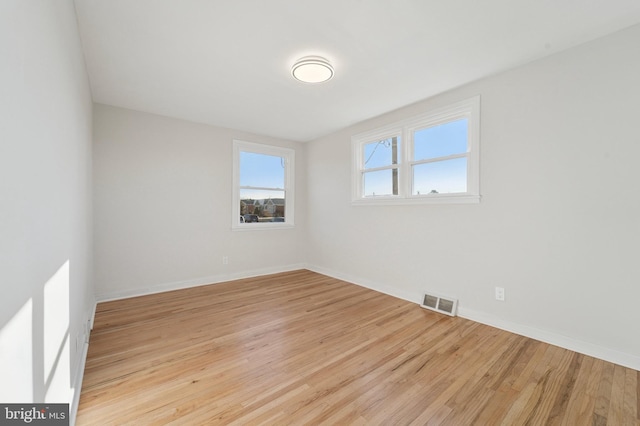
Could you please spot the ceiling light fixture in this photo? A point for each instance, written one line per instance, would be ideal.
(312, 69)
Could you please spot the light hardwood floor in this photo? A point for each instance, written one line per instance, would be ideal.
(303, 348)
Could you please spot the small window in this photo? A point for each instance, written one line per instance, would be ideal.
(381, 162)
(437, 163)
(263, 186)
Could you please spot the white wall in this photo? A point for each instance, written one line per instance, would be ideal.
(559, 222)
(45, 201)
(162, 206)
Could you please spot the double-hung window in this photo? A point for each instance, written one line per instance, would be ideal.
(431, 158)
(380, 168)
(263, 193)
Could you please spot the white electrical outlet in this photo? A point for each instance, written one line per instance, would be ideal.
(500, 293)
(225, 260)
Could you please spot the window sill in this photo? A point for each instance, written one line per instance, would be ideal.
(427, 199)
(261, 226)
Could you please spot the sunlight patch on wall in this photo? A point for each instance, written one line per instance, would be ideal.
(56, 336)
(16, 363)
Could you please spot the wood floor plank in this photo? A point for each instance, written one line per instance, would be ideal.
(630, 410)
(303, 348)
(580, 405)
(616, 408)
(603, 400)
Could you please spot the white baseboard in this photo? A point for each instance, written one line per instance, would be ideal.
(92, 317)
(586, 348)
(77, 386)
(178, 285)
(372, 285)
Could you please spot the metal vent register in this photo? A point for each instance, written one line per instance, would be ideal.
(445, 305)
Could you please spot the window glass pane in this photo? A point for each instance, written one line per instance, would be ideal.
(262, 205)
(382, 153)
(442, 140)
(440, 177)
(260, 170)
(381, 182)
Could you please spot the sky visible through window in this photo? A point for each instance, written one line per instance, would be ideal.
(446, 176)
(264, 174)
(260, 171)
(380, 153)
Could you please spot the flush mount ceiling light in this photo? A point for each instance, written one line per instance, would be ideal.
(312, 69)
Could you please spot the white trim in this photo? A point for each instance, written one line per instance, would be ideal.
(586, 348)
(371, 285)
(92, 316)
(357, 155)
(79, 374)
(289, 156)
(196, 282)
(263, 226)
(420, 199)
(77, 389)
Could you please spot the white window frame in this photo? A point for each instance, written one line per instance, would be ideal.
(469, 109)
(289, 190)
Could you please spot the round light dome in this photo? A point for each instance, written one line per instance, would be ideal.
(312, 69)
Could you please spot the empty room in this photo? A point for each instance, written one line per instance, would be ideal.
(339, 212)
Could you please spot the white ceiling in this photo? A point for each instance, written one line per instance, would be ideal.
(227, 63)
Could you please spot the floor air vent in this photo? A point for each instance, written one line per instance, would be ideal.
(445, 305)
